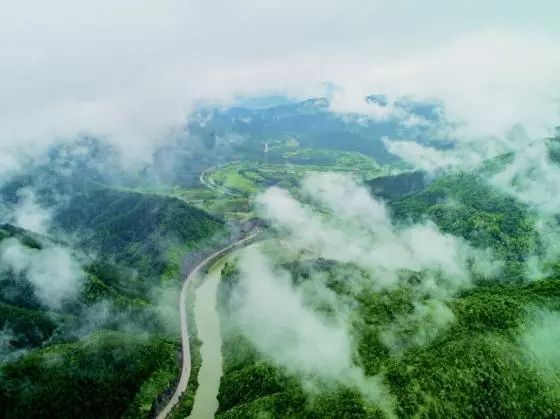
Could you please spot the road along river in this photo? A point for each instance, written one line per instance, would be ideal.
(208, 326)
(186, 350)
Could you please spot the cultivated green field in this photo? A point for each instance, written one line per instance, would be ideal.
(227, 190)
(286, 166)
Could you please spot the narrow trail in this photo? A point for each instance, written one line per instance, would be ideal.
(186, 349)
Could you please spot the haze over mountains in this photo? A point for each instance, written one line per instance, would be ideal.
(371, 189)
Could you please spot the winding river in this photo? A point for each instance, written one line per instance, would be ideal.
(185, 345)
(208, 326)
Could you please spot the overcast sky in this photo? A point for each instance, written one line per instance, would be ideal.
(131, 70)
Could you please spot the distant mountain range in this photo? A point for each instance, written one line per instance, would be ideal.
(315, 125)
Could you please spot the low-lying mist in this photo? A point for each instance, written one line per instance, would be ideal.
(53, 271)
(305, 326)
(75, 288)
(522, 167)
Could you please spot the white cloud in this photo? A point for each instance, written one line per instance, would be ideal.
(358, 229)
(131, 71)
(273, 315)
(540, 340)
(340, 221)
(29, 214)
(429, 159)
(53, 271)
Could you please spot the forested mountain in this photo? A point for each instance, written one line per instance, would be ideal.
(384, 292)
(108, 374)
(314, 125)
(474, 368)
(269, 210)
(106, 348)
(397, 186)
(483, 362)
(465, 205)
(135, 229)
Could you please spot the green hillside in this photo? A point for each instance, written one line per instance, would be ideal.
(104, 375)
(138, 230)
(473, 368)
(483, 363)
(110, 352)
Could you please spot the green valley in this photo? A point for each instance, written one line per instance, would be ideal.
(367, 289)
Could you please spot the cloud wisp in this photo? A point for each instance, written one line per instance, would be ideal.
(273, 315)
(338, 220)
(28, 214)
(54, 273)
(357, 228)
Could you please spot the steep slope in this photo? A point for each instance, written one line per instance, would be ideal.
(111, 347)
(479, 365)
(315, 125)
(138, 230)
(398, 186)
(465, 205)
(485, 350)
(99, 376)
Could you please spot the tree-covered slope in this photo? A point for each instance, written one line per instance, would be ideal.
(467, 206)
(110, 349)
(398, 186)
(485, 349)
(138, 230)
(99, 376)
(481, 365)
